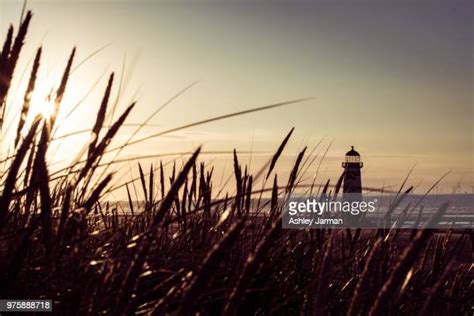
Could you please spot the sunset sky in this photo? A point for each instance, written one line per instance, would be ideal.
(392, 78)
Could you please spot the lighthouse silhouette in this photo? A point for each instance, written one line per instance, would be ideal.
(352, 179)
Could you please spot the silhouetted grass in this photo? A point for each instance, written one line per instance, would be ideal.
(189, 248)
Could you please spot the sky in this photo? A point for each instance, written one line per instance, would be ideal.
(393, 78)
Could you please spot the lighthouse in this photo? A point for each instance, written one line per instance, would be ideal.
(352, 179)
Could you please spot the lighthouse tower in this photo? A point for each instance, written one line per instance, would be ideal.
(352, 165)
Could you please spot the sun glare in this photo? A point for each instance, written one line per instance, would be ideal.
(43, 109)
(46, 109)
(42, 103)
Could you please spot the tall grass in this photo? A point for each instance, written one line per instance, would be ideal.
(190, 249)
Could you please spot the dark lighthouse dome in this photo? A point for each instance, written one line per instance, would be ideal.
(352, 152)
(352, 159)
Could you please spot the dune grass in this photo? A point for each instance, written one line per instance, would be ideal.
(189, 247)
